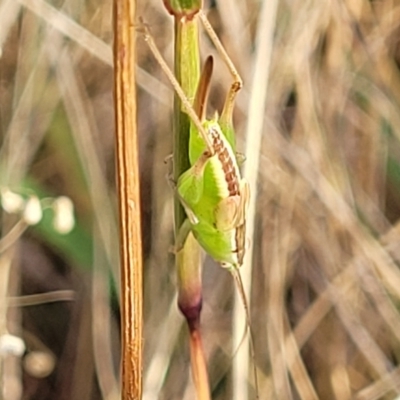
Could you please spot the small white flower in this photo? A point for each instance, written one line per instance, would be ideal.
(11, 202)
(33, 211)
(10, 344)
(64, 220)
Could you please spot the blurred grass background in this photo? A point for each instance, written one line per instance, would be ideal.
(326, 284)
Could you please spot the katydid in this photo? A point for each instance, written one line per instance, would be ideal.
(212, 192)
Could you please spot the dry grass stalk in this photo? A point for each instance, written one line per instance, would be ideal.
(129, 201)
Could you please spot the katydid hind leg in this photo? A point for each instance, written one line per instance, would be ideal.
(226, 116)
(244, 201)
(144, 30)
(237, 80)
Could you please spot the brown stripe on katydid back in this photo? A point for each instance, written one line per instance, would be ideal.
(227, 164)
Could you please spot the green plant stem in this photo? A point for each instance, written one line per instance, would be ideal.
(188, 260)
(189, 301)
(187, 72)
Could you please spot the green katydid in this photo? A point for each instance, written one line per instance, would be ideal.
(213, 193)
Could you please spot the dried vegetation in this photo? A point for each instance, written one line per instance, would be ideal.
(325, 274)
